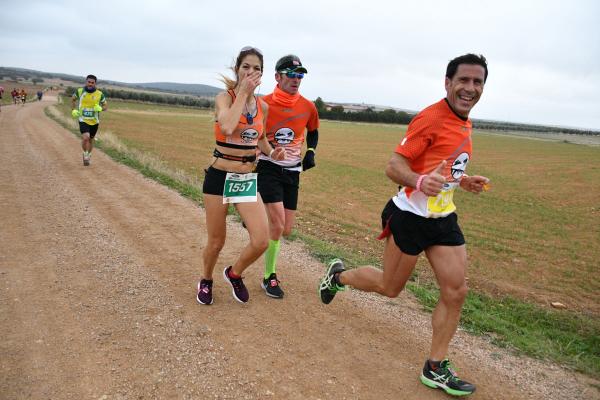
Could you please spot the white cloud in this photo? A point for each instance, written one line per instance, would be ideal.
(543, 55)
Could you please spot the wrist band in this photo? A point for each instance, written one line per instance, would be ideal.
(271, 152)
(310, 149)
(419, 182)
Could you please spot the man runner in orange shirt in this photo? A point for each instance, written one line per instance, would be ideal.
(429, 164)
(291, 119)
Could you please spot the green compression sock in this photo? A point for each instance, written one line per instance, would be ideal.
(271, 257)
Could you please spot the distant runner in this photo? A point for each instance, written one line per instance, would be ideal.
(87, 103)
(15, 96)
(23, 95)
(430, 164)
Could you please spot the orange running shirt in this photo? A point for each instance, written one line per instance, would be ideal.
(434, 135)
(245, 134)
(286, 127)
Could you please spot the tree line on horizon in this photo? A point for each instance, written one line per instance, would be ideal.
(391, 116)
(159, 98)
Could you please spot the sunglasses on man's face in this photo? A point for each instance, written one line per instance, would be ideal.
(293, 75)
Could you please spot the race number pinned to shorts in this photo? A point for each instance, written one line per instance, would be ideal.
(239, 188)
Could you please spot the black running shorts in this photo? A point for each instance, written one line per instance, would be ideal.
(276, 184)
(214, 181)
(413, 233)
(91, 129)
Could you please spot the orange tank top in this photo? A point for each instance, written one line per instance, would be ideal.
(247, 132)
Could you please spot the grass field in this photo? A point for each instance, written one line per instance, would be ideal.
(535, 235)
(533, 239)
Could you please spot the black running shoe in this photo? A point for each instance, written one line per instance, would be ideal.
(204, 295)
(328, 287)
(271, 286)
(445, 378)
(240, 293)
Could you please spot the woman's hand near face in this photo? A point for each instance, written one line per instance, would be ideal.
(250, 82)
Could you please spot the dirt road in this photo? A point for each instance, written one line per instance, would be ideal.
(98, 267)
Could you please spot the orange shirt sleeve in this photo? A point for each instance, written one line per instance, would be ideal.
(313, 121)
(419, 136)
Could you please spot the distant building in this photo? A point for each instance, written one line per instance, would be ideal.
(359, 107)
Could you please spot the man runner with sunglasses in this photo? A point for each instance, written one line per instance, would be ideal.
(429, 163)
(292, 119)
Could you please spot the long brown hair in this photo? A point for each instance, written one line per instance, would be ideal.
(230, 83)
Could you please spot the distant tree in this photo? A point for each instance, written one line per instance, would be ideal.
(320, 104)
(337, 109)
(403, 117)
(35, 81)
(388, 115)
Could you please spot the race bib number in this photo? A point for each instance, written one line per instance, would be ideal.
(239, 188)
(442, 204)
(88, 113)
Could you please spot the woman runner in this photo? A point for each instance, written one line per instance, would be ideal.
(239, 130)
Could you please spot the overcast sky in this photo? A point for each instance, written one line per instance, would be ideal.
(544, 56)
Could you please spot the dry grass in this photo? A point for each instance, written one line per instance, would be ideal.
(147, 159)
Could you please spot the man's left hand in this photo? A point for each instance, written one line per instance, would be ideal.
(475, 184)
(309, 160)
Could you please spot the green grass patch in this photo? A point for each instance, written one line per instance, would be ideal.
(324, 251)
(185, 190)
(560, 336)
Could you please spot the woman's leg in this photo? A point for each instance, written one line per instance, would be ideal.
(216, 229)
(255, 219)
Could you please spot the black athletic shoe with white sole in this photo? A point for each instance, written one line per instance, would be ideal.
(328, 286)
(443, 377)
(271, 287)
